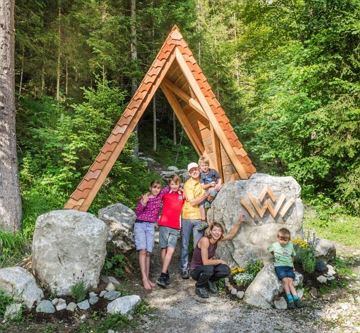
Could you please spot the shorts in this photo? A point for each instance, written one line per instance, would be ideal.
(284, 272)
(168, 237)
(144, 235)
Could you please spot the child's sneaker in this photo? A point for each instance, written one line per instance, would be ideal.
(167, 279)
(298, 303)
(291, 305)
(202, 292)
(161, 281)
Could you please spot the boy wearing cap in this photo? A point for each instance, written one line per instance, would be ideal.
(191, 215)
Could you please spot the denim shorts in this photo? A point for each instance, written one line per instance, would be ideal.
(168, 237)
(144, 235)
(284, 272)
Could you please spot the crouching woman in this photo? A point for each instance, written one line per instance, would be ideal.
(203, 268)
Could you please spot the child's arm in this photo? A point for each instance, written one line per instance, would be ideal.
(142, 204)
(207, 186)
(234, 229)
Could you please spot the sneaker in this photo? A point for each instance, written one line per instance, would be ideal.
(167, 279)
(185, 275)
(212, 287)
(161, 281)
(291, 306)
(299, 304)
(203, 226)
(202, 292)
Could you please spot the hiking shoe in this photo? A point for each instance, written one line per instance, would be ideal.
(167, 279)
(185, 275)
(299, 304)
(291, 306)
(212, 287)
(202, 292)
(161, 281)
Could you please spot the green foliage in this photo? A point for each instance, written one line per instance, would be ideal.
(243, 277)
(306, 257)
(5, 300)
(12, 248)
(254, 267)
(331, 222)
(78, 291)
(115, 264)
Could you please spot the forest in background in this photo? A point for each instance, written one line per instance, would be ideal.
(286, 73)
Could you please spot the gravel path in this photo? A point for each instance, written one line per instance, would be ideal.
(178, 310)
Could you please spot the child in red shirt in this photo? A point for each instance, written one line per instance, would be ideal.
(170, 227)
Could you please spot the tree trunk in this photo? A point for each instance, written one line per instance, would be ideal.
(133, 49)
(58, 67)
(22, 70)
(174, 128)
(66, 77)
(154, 125)
(10, 202)
(42, 79)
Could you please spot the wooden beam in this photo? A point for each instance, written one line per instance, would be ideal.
(185, 97)
(206, 107)
(196, 142)
(216, 151)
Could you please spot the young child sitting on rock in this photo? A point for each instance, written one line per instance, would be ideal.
(284, 253)
(210, 181)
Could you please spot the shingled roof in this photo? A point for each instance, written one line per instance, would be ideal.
(187, 90)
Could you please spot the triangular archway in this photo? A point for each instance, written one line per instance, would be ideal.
(177, 73)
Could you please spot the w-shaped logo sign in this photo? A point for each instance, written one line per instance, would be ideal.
(266, 202)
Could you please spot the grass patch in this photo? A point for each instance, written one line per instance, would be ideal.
(335, 226)
(13, 248)
(78, 291)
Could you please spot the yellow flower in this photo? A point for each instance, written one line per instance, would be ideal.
(300, 243)
(237, 269)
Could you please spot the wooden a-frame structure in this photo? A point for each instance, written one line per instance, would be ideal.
(188, 92)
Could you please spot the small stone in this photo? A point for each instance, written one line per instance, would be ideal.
(280, 304)
(83, 317)
(111, 331)
(331, 270)
(12, 311)
(84, 305)
(227, 280)
(123, 305)
(111, 295)
(321, 279)
(61, 305)
(45, 306)
(92, 294)
(110, 287)
(314, 293)
(240, 294)
(114, 281)
(102, 293)
(71, 306)
(330, 278)
(55, 301)
(233, 291)
(300, 293)
(93, 300)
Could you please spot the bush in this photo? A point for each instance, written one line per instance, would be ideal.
(78, 291)
(305, 255)
(115, 265)
(244, 276)
(5, 300)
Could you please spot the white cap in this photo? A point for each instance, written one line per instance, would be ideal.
(192, 165)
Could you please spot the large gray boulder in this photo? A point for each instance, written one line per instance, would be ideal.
(21, 285)
(325, 250)
(120, 221)
(265, 287)
(252, 198)
(68, 247)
